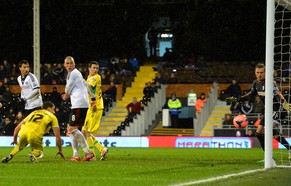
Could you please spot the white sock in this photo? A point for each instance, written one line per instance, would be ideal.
(81, 140)
(75, 145)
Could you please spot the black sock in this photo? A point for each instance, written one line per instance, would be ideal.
(281, 139)
(261, 139)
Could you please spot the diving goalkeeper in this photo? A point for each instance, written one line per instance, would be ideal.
(258, 89)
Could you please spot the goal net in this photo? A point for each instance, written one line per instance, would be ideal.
(282, 68)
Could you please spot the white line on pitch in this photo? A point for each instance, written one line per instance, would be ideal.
(218, 178)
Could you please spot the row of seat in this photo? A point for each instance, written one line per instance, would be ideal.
(129, 119)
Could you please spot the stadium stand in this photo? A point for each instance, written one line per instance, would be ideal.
(198, 79)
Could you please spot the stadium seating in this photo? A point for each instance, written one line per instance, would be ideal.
(118, 113)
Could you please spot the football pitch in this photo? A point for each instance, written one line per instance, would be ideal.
(145, 166)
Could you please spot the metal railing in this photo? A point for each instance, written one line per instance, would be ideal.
(206, 110)
(144, 120)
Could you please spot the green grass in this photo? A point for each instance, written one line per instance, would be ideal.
(142, 166)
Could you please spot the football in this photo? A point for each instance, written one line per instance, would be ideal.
(240, 121)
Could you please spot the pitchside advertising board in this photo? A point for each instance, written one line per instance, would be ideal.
(158, 141)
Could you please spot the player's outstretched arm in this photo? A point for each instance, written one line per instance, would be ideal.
(16, 131)
(59, 141)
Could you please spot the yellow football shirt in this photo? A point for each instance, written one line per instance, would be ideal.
(95, 82)
(40, 122)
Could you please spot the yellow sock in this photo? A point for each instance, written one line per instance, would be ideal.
(90, 144)
(97, 144)
(15, 150)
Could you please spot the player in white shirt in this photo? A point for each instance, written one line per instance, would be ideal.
(30, 88)
(76, 90)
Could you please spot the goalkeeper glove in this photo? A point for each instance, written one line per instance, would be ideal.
(287, 106)
(233, 99)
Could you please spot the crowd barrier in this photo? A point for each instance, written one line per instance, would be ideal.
(206, 110)
(159, 142)
(145, 119)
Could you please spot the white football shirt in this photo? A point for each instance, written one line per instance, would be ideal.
(76, 87)
(27, 85)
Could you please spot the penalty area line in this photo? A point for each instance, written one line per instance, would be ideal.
(218, 178)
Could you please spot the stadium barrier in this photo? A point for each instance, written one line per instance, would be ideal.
(206, 110)
(159, 141)
(231, 132)
(145, 119)
(61, 88)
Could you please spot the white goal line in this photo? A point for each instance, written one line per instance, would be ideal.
(218, 178)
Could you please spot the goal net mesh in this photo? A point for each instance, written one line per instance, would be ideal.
(282, 65)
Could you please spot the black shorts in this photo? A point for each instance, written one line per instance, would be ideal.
(77, 116)
(262, 121)
(275, 117)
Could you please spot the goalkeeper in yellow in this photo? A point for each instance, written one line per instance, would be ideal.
(31, 131)
(95, 112)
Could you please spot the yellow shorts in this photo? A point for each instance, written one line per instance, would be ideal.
(27, 137)
(92, 121)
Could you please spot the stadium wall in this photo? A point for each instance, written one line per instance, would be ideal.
(182, 90)
(61, 88)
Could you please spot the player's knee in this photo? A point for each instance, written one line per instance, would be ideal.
(276, 133)
(71, 129)
(86, 134)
